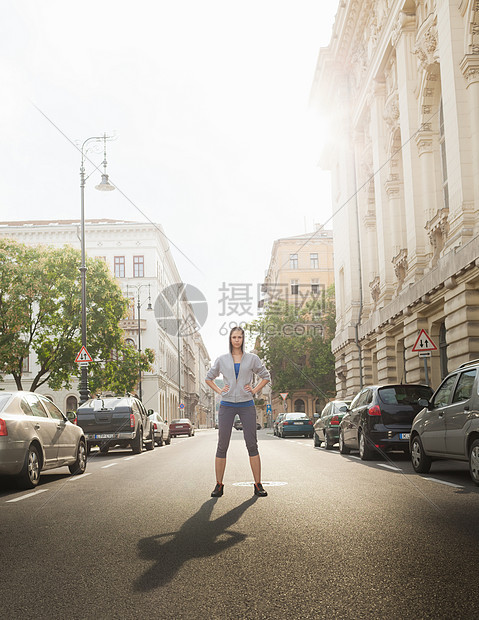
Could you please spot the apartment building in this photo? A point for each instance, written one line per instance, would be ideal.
(138, 255)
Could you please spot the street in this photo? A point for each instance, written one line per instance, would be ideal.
(140, 537)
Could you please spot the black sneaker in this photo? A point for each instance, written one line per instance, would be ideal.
(218, 490)
(258, 489)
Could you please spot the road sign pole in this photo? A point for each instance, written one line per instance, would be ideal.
(425, 371)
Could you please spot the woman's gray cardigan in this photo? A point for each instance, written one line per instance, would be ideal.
(250, 363)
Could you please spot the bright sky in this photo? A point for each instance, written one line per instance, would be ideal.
(209, 103)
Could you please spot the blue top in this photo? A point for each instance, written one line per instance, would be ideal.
(248, 403)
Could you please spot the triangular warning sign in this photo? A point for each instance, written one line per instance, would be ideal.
(83, 356)
(283, 395)
(424, 343)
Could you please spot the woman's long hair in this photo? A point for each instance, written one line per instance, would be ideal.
(236, 329)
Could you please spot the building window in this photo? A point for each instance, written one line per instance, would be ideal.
(294, 287)
(314, 262)
(72, 403)
(442, 146)
(138, 266)
(299, 405)
(293, 261)
(315, 287)
(26, 364)
(119, 266)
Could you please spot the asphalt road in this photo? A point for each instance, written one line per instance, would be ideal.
(140, 537)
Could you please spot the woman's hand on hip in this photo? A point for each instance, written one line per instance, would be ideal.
(225, 389)
(248, 388)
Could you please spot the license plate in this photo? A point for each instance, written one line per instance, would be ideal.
(105, 436)
(298, 423)
(404, 435)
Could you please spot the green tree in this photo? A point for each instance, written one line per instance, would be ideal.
(40, 312)
(295, 343)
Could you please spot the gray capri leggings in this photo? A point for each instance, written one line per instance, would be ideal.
(226, 416)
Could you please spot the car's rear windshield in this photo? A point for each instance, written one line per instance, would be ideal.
(296, 416)
(4, 398)
(181, 421)
(404, 394)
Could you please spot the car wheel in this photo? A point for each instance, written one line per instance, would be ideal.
(343, 448)
(365, 452)
(29, 477)
(317, 441)
(168, 441)
(474, 461)
(150, 444)
(421, 462)
(328, 444)
(79, 465)
(160, 440)
(104, 449)
(137, 444)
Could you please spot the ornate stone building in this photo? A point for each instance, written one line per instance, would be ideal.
(399, 83)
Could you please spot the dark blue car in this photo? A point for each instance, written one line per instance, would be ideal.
(295, 423)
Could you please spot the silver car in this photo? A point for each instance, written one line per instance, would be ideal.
(160, 428)
(34, 436)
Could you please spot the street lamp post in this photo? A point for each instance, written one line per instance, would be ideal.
(105, 185)
(138, 305)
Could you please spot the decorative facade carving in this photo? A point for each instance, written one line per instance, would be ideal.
(426, 49)
(437, 229)
(375, 288)
(400, 265)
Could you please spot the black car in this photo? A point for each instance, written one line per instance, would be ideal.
(380, 419)
(118, 421)
(326, 427)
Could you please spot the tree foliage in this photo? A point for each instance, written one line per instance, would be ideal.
(295, 343)
(40, 313)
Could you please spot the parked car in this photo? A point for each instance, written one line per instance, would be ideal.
(161, 429)
(295, 423)
(119, 421)
(448, 425)
(380, 418)
(183, 426)
(35, 436)
(258, 426)
(326, 427)
(238, 424)
(279, 417)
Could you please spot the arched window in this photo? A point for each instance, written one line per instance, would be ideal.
(130, 342)
(317, 406)
(72, 403)
(299, 405)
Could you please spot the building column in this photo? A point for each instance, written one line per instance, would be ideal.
(461, 309)
(404, 42)
(384, 217)
(470, 69)
(386, 358)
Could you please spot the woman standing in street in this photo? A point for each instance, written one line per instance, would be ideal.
(237, 368)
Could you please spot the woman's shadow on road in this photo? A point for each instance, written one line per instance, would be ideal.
(198, 537)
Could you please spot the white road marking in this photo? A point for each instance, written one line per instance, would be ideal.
(389, 467)
(79, 477)
(449, 484)
(19, 499)
(265, 484)
(110, 465)
(128, 458)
